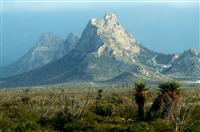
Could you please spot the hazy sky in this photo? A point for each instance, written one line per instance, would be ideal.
(160, 26)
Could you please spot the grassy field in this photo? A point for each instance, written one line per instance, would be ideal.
(85, 109)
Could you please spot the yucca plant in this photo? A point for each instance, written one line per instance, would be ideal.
(174, 89)
(140, 97)
(170, 96)
(169, 92)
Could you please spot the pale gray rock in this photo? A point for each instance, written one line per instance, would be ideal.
(107, 36)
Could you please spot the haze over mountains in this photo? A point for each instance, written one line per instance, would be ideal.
(105, 52)
(48, 48)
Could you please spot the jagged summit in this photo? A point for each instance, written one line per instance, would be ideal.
(44, 50)
(72, 36)
(71, 41)
(46, 38)
(190, 52)
(110, 18)
(47, 35)
(107, 36)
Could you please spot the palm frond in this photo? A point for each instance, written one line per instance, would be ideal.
(173, 86)
(140, 86)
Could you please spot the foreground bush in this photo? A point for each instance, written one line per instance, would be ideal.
(104, 109)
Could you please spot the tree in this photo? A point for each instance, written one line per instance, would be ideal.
(169, 93)
(140, 98)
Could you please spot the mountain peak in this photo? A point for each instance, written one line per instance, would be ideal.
(110, 18)
(72, 38)
(188, 64)
(107, 36)
(71, 41)
(72, 35)
(190, 52)
(47, 35)
(47, 38)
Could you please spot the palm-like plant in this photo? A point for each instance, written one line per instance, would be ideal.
(171, 87)
(175, 89)
(140, 97)
(169, 92)
(170, 95)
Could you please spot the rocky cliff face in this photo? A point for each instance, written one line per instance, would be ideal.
(110, 50)
(107, 36)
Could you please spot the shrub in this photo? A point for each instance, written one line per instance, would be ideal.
(194, 128)
(61, 118)
(161, 126)
(44, 121)
(5, 125)
(140, 127)
(116, 99)
(27, 126)
(25, 99)
(99, 96)
(26, 91)
(104, 109)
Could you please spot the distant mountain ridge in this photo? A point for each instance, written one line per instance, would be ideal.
(186, 65)
(48, 48)
(107, 52)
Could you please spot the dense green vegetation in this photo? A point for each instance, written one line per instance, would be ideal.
(94, 109)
